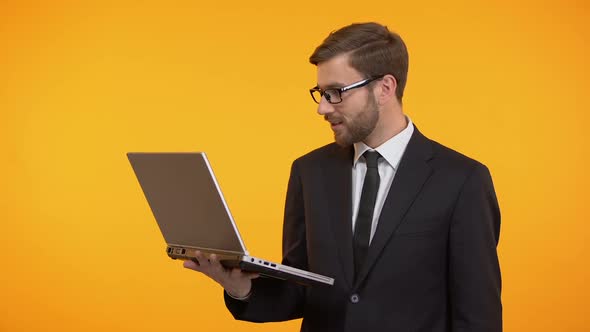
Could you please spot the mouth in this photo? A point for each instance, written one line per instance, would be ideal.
(335, 123)
(335, 126)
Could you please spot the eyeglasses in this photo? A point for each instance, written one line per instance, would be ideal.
(334, 96)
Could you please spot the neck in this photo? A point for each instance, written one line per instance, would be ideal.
(391, 122)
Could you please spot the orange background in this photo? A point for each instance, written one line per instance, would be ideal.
(82, 83)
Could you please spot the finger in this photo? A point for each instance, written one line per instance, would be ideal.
(193, 265)
(203, 260)
(218, 271)
(215, 262)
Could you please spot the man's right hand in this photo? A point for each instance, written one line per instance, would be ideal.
(236, 282)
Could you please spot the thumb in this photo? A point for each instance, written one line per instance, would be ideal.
(252, 275)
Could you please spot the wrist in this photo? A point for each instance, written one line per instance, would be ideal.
(238, 296)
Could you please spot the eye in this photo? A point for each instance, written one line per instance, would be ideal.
(331, 94)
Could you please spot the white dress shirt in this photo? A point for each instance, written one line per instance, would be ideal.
(391, 152)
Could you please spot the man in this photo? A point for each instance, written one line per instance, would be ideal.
(407, 227)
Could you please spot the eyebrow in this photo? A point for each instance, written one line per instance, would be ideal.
(331, 86)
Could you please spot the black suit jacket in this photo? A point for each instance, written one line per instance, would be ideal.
(432, 264)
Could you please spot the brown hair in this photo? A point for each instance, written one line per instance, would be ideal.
(374, 51)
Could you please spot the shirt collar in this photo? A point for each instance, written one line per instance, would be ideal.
(391, 150)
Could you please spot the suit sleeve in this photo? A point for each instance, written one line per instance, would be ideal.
(474, 271)
(274, 300)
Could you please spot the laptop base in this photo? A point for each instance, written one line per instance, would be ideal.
(253, 264)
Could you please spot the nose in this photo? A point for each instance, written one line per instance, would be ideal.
(324, 107)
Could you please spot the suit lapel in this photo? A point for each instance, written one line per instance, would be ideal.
(338, 174)
(412, 173)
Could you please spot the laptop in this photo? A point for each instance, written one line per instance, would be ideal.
(192, 214)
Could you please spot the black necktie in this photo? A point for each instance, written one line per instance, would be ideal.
(364, 219)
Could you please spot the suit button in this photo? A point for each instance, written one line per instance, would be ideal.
(354, 298)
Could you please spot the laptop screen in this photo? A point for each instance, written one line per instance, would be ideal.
(186, 200)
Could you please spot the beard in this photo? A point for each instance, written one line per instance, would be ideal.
(357, 128)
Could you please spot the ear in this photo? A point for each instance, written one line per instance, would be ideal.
(387, 91)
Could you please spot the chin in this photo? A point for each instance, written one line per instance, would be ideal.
(342, 141)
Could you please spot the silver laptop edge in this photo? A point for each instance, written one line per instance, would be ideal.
(220, 193)
(288, 269)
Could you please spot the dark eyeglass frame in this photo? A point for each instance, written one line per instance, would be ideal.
(339, 91)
